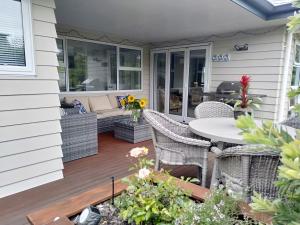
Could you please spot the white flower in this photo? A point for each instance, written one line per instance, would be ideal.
(139, 151)
(143, 173)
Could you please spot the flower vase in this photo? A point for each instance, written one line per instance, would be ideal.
(135, 115)
(242, 112)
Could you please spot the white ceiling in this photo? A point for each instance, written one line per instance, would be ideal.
(158, 20)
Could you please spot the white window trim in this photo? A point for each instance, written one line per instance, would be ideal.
(29, 69)
(295, 65)
(118, 46)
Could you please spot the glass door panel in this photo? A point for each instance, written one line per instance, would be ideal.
(196, 81)
(176, 83)
(159, 75)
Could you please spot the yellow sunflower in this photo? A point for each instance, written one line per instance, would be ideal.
(130, 98)
(123, 102)
(143, 103)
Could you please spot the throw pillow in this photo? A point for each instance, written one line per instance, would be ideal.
(119, 98)
(63, 112)
(79, 105)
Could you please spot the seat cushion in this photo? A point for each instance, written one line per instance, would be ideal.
(98, 103)
(112, 112)
(113, 101)
(83, 99)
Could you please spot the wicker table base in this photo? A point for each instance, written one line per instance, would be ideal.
(132, 132)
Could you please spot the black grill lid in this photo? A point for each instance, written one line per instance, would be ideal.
(229, 87)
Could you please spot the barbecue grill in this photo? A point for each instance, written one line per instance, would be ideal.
(228, 91)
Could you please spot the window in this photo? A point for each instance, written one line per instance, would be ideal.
(16, 51)
(295, 80)
(62, 65)
(92, 66)
(130, 69)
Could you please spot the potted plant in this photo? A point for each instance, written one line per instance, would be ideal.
(135, 105)
(245, 105)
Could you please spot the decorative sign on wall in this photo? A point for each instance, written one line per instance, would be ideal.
(221, 58)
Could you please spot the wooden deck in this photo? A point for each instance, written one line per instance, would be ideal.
(79, 176)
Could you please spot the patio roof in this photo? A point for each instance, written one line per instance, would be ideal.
(156, 20)
(268, 9)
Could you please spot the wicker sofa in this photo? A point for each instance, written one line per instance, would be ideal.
(105, 107)
(79, 135)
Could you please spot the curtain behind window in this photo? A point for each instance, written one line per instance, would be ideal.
(12, 52)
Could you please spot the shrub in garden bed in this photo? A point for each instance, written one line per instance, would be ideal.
(149, 200)
(160, 201)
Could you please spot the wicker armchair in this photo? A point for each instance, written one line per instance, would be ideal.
(175, 145)
(213, 109)
(247, 169)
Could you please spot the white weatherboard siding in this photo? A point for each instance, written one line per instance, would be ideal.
(264, 62)
(30, 141)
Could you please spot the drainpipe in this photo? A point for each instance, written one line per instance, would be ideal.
(285, 78)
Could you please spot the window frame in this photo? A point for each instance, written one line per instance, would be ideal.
(295, 65)
(118, 46)
(29, 68)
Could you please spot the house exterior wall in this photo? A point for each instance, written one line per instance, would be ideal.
(30, 141)
(81, 33)
(264, 62)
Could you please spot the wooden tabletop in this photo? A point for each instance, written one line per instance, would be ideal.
(223, 129)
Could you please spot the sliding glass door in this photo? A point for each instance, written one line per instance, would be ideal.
(176, 80)
(179, 80)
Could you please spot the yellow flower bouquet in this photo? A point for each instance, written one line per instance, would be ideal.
(135, 105)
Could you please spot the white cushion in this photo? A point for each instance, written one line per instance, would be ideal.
(113, 112)
(99, 103)
(113, 101)
(83, 99)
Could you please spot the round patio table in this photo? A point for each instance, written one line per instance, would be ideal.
(223, 129)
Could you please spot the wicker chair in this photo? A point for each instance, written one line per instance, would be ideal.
(293, 121)
(213, 109)
(247, 169)
(175, 145)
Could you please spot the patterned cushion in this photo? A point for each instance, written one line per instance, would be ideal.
(78, 104)
(119, 98)
(83, 99)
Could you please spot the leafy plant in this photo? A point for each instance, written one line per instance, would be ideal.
(286, 208)
(218, 209)
(150, 201)
(294, 22)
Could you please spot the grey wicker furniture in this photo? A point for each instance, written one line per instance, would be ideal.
(132, 132)
(247, 169)
(175, 145)
(108, 123)
(213, 109)
(293, 121)
(79, 135)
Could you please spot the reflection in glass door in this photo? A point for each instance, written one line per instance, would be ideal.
(176, 83)
(196, 81)
(179, 80)
(159, 76)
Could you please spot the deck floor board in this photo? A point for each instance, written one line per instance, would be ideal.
(79, 176)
